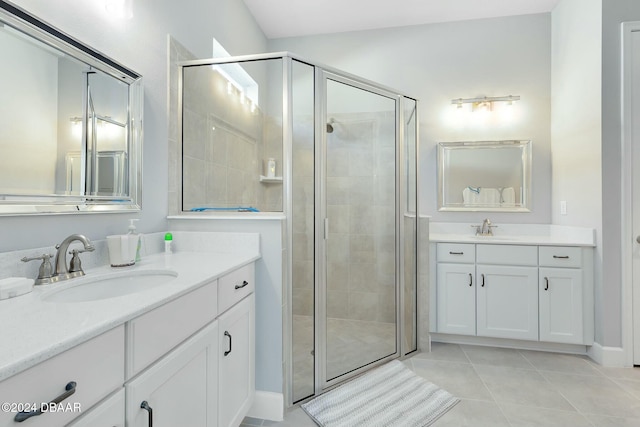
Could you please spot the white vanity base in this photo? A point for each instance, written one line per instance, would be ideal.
(509, 343)
(533, 290)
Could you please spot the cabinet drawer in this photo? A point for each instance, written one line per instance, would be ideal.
(235, 286)
(507, 255)
(456, 252)
(96, 366)
(155, 333)
(560, 256)
(109, 413)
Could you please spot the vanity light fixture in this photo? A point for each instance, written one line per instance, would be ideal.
(122, 9)
(485, 102)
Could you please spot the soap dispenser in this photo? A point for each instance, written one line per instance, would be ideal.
(133, 231)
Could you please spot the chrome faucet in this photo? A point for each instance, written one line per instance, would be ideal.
(48, 274)
(62, 271)
(485, 229)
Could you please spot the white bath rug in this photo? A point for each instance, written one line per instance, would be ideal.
(388, 396)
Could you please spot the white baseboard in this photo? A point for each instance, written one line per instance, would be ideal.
(607, 356)
(267, 406)
(509, 343)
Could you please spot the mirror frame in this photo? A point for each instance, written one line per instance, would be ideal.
(525, 165)
(64, 204)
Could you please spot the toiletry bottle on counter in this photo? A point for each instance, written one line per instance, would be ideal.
(134, 232)
(168, 239)
(271, 168)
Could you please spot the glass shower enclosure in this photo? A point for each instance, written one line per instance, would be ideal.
(345, 151)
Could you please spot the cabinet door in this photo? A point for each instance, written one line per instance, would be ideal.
(181, 388)
(561, 317)
(109, 413)
(236, 363)
(507, 302)
(456, 299)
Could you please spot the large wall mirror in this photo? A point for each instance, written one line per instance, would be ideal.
(70, 123)
(484, 176)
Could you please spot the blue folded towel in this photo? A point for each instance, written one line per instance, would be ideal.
(235, 209)
(475, 190)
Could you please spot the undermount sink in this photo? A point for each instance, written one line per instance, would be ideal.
(110, 285)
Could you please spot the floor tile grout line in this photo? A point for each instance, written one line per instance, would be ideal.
(557, 389)
(585, 414)
(624, 389)
(465, 354)
(489, 391)
(527, 359)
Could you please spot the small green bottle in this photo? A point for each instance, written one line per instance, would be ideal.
(168, 238)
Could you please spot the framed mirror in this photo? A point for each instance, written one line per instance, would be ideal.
(70, 123)
(489, 176)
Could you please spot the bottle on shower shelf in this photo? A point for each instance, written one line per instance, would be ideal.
(271, 168)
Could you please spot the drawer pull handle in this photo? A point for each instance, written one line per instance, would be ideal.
(456, 253)
(546, 283)
(561, 256)
(145, 405)
(482, 280)
(227, 334)
(470, 279)
(70, 388)
(244, 283)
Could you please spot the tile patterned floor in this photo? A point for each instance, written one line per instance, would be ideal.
(518, 388)
(351, 343)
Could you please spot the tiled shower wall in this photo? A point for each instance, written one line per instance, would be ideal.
(361, 207)
(225, 144)
(220, 143)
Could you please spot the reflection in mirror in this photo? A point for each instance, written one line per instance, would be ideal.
(484, 176)
(70, 123)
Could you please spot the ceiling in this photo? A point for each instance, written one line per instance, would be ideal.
(293, 18)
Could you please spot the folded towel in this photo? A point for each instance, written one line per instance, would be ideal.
(508, 197)
(481, 196)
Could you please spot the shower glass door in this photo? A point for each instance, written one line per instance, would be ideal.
(359, 207)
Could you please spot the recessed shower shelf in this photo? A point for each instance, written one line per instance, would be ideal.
(271, 180)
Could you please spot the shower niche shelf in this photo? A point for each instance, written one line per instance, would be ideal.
(271, 180)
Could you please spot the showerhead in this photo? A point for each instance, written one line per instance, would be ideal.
(330, 125)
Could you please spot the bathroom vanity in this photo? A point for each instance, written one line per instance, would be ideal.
(530, 283)
(181, 352)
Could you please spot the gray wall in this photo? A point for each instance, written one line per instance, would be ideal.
(576, 124)
(439, 62)
(141, 44)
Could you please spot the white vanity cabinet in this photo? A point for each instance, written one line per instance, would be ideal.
(563, 298)
(507, 291)
(518, 292)
(456, 289)
(109, 413)
(236, 346)
(95, 367)
(181, 389)
(236, 367)
(207, 380)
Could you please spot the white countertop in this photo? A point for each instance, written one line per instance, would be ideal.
(514, 234)
(34, 330)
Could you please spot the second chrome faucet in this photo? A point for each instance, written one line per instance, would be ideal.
(485, 229)
(62, 271)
